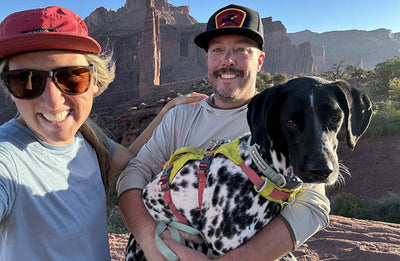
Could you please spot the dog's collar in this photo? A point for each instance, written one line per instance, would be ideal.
(263, 167)
(276, 178)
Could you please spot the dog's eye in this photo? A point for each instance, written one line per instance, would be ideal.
(335, 118)
(291, 124)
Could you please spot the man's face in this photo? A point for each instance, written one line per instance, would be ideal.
(233, 63)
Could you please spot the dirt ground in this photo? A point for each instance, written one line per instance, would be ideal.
(375, 170)
(374, 167)
(345, 239)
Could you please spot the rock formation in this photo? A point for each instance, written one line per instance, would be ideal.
(149, 51)
(281, 55)
(356, 47)
(153, 45)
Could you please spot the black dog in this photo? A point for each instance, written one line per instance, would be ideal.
(294, 127)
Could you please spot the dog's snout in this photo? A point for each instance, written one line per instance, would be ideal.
(320, 171)
(321, 174)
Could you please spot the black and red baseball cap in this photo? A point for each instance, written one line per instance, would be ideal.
(233, 19)
(49, 28)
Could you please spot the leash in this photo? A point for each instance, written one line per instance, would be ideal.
(173, 227)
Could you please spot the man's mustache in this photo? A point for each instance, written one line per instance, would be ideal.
(225, 70)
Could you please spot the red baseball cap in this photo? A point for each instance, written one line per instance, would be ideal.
(50, 28)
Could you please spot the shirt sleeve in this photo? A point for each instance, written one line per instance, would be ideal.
(308, 214)
(8, 185)
(147, 164)
(111, 146)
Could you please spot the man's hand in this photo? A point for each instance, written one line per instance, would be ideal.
(185, 253)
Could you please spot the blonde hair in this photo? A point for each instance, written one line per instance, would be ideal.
(104, 70)
(103, 75)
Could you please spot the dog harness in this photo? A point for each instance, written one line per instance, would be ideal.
(270, 185)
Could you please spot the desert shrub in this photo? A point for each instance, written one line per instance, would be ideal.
(386, 208)
(263, 81)
(394, 89)
(384, 73)
(142, 106)
(114, 221)
(347, 205)
(386, 119)
(281, 78)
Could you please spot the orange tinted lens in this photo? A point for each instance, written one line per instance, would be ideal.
(25, 84)
(74, 80)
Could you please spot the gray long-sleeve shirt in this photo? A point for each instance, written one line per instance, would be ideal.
(196, 125)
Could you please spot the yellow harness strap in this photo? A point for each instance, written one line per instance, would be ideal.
(274, 193)
(262, 185)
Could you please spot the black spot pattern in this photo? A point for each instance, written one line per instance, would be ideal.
(232, 211)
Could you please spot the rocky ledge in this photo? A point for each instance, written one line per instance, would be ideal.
(344, 239)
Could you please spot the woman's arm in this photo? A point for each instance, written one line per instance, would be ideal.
(122, 155)
(138, 143)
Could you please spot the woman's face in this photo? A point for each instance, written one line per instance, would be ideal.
(54, 116)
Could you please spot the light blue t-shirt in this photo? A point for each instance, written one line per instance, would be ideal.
(52, 199)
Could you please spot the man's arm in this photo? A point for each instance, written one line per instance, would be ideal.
(135, 177)
(297, 222)
(144, 137)
(269, 244)
(308, 214)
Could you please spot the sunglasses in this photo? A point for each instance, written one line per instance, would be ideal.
(29, 84)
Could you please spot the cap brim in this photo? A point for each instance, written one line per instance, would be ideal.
(202, 40)
(47, 41)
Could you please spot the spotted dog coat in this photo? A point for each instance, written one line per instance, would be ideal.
(294, 126)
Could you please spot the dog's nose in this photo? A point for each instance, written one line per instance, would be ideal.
(320, 171)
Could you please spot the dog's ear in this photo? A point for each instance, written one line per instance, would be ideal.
(358, 111)
(257, 113)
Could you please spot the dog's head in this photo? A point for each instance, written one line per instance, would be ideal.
(296, 125)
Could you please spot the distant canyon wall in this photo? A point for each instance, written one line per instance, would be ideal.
(152, 42)
(360, 48)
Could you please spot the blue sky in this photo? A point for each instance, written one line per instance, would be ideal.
(296, 15)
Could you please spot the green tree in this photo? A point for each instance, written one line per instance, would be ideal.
(384, 73)
(263, 81)
(337, 70)
(281, 78)
(394, 89)
(354, 72)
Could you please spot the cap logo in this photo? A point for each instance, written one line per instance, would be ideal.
(231, 17)
(41, 30)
